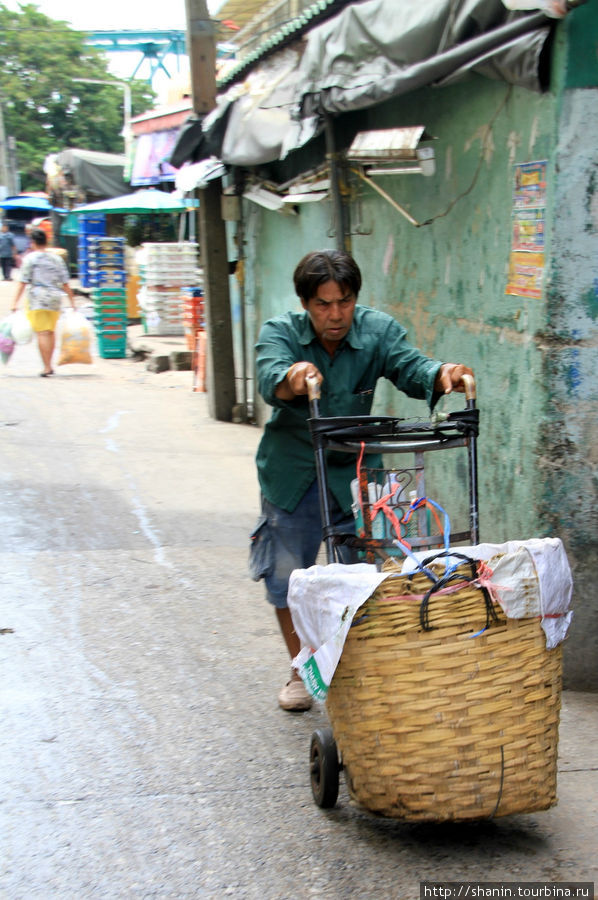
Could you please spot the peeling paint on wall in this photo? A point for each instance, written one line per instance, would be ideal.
(486, 138)
(448, 163)
(501, 334)
(592, 202)
(388, 255)
(513, 142)
(532, 137)
(590, 301)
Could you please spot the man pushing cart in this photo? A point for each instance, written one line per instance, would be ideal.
(442, 681)
(345, 348)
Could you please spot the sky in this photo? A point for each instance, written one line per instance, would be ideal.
(116, 13)
(123, 14)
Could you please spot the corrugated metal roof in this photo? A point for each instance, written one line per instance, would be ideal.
(272, 40)
(240, 12)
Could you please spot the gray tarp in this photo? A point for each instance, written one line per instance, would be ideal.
(370, 52)
(100, 173)
(375, 51)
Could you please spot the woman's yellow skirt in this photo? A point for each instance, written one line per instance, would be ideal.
(43, 319)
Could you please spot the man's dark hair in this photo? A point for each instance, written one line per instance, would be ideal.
(39, 237)
(321, 266)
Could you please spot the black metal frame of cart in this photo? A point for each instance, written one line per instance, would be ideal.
(389, 435)
(383, 435)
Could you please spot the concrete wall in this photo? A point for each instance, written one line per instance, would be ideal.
(569, 453)
(445, 281)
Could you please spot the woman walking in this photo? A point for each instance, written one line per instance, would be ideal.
(47, 276)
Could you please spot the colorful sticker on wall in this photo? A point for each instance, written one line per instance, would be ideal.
(530, 185)
(526, 261)
(527, 229)
(525, 274)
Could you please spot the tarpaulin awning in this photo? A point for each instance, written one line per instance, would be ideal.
(197, 175)
(374, 51)
(101, 173)
(366, 54)
(148, 201)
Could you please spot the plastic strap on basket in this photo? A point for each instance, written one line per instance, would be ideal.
(425, 501)
(452, 575)
(360, 477)
(382, 505)
(404, 545)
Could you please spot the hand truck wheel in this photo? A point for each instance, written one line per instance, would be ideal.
(324, 768)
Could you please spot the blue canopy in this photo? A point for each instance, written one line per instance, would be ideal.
(34, 204)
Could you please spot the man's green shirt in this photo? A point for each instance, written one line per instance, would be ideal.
(375, 347)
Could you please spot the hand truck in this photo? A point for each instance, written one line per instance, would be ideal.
(394, 517)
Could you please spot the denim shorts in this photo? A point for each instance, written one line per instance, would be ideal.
(283, 541)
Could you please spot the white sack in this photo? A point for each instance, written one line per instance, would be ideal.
(532, 578)
(529, 578)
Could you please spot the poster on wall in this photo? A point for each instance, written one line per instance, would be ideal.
(152, 151)
(526, 260)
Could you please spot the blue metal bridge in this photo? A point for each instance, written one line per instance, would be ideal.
(152, 45)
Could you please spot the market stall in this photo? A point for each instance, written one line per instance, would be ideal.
(144, 203)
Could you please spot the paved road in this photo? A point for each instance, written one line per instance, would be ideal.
(142, 751)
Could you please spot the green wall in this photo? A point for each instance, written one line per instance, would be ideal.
(445, 281)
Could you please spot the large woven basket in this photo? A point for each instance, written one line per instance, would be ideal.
(446, 724)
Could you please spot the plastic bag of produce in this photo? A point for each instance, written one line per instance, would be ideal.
(75, 338)
(7, 344)
(20, 327)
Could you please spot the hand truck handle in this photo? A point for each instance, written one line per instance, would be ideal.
(313, 387)
(469, 382)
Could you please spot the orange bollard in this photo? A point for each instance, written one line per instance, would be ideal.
(199, 362)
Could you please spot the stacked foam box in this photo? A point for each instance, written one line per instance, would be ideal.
(90, 226)
(109, 295)
(165, 269)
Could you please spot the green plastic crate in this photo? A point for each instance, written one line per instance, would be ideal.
(111, 344)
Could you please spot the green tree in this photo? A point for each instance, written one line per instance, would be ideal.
(44, 108)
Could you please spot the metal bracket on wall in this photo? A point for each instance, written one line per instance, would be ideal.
(354, 197)
(387, 197)
(354, 201)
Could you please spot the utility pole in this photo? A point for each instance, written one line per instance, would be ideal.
(4, 189)
(201, 46)
(8, 179)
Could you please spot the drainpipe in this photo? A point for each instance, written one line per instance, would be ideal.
(243, 412)
(337, 186)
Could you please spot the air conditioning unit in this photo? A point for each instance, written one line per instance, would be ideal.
(393, 151)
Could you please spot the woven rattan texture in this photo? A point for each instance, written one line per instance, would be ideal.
(440, 725)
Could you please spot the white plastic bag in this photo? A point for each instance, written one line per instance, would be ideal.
(75, 338)
(323, 601)
(20, 327)
(7, 343)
